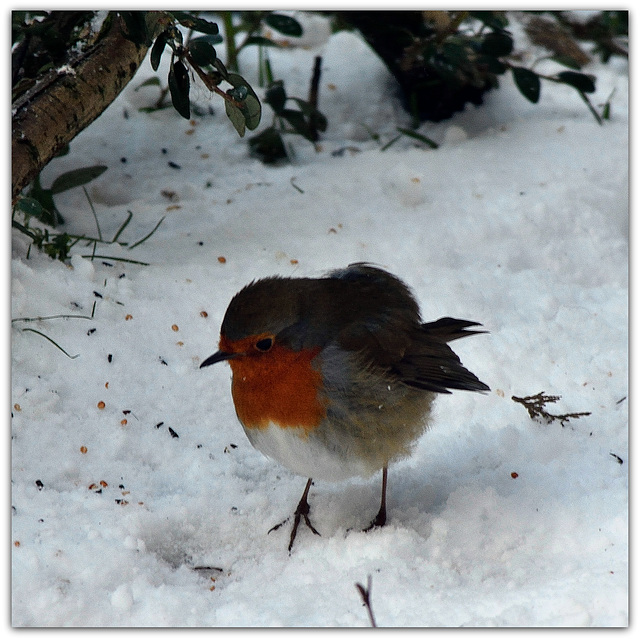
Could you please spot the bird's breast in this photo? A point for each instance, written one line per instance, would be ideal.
(281, 387)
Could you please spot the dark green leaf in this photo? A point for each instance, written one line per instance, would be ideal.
(305, 106)
(312, 114)
(212, 39)
(179, 87)
(157, 49)
(236, 80)
(497, 43)
(221, 68)
(297, 120)
(76, 178)
(243, 114)
(527, 82)
(285, 25)
(202, 52)
(29, 206)
(49, 214)
(190, 21)
(136, 26)
(493, 65)
(268, 146)
(260, 40)
(64, 151)
(580, 81)
(276, 97)
(566, 61)
(250, 105)
(493, 19)
(239, 94)
(252, 112)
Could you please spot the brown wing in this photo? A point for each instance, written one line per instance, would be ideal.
(431, 364)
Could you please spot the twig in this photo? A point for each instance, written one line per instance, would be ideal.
(365, 594)
(535, 407)
(313, 99)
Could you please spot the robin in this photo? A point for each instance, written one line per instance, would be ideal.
(334, 377)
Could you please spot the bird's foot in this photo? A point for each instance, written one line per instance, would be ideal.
(379, 521)
(301, 513)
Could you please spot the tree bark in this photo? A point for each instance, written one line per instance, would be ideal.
(50, 114)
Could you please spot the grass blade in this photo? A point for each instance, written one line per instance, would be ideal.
(135, 244)
(52, 342)
(418, 136)
(93, 210)
(61, 315)
(123, 227)
(95, 255)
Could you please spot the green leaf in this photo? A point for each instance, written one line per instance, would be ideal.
(492, 19)
(312, 114)
(190, 21)
(239, 94)
(285, 25)
(250, 108)
(76, 178)
(566, 61)
(580, 81)
(221, 68)
(158, 49)
(528, 83)
(260, 40)
(297, 120)
(268, 146)
(276, 97)
(252, 112)
(179, 88)
(497, 43)
(136, 25)
(236, 116)
(48, 214)
(212, 39)
(493, 64)
(202, 52)
(29, 206)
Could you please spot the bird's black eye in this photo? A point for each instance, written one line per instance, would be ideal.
(264, 344)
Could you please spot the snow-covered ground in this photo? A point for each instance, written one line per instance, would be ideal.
(129, 468)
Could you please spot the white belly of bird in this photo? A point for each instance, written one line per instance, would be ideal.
(298, 450)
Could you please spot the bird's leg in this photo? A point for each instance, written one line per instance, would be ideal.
(381, 518)
(302, 511)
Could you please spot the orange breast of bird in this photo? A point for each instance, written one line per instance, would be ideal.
(280, 386)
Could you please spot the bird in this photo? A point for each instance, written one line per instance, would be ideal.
(334, 377)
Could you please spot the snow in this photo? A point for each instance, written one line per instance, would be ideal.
(518, 221)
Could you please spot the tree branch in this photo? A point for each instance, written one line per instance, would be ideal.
(66, 100)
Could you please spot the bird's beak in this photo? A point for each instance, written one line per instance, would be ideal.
(218, 356)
